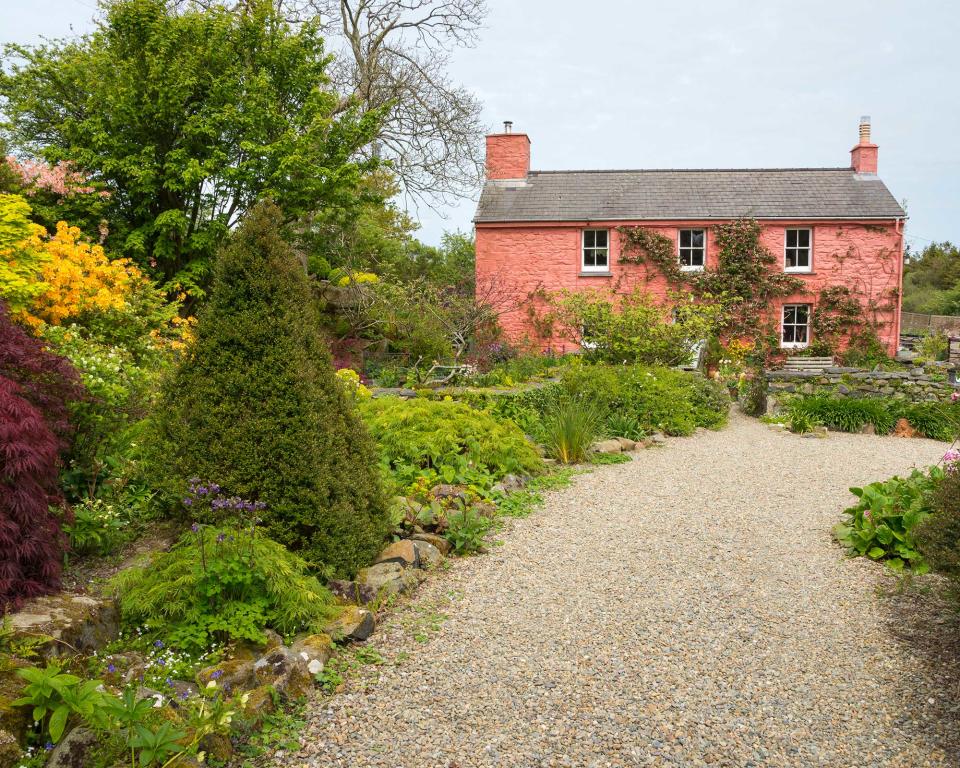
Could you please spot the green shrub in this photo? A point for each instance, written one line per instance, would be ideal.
(447, 441)
(98, 528)
(934, 346)
(938, 421)
(661, 399)
(466, 530)
(570, 430)
(801, 422)
(752, 393)
(255, 404)
(625, 425)
(518, 370)
(219, 584)
(938, 536)
(318, 266)
(882, 522)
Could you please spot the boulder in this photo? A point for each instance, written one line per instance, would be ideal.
(13, 720)
(904, 429)
(181, 690)
(439, 542)
(124, 667)
(74, 623)
(388, 579)
(428, 556)
(260, 703)
(233, 675)
(73, 749)
(403, 552)
(282, 669)
(868, 429)
(9, 748)
(657, 438)
(484, 509)
(512, 483)
(606, 446)
(218, 746)
(352, 592)
(353, 623)
(626, 444)
(314, 651)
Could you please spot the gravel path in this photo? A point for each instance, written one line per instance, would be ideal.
(687, 609)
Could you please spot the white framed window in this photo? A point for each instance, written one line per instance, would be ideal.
(797, 250)
(795, 328)
(692, 245)
(596, 250)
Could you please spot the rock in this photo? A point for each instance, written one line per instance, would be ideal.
(181, 690)
(74, 623)
(260, 703)
(127, 666)
(484, 509)
(14, 720)
(903, 429)
(868, 429)
(217, 746)
(314, 651)
(352, 592)
(73, 749)
(234, 675)
(512, 483)
(9, 748)
(428, 556)
(626, 444)
(353, 623)
(817, 432)
(246, 649)
(388, 579)
(606, 446)
(438, 541)
(445, 491)
(282, 669)
(143, 692)
(657, 438)
(403, 552)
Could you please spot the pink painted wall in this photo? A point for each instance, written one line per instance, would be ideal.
(508, 156)
(525, 257)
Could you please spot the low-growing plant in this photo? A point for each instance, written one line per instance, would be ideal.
(881, 524)
(222, 583)
(420, 435)
(466, 530)
(609, 458)
(624, 425)
(801, 423)
(98, 528)
(569, 431)
(55, 696)
(938, 536)
(938, 421)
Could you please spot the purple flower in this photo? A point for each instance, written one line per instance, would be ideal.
(111, 668)
(169, 682)
(159, 643)
(48, 746)
(184, 695)
(187, 501)
(217, 674)
(221, 537)
(162, 662)
(195, 527)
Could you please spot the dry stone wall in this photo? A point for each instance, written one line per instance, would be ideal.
(933, 383)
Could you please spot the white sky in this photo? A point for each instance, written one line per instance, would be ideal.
(693, 84)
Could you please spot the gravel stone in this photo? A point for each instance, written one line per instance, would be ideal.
(686, 609)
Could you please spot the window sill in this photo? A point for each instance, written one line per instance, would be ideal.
(793, 345)
(799, 272)
(596, 274)
(692, 269)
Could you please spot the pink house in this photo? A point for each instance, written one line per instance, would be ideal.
(558, 230)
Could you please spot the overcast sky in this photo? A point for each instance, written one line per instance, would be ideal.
(711, 84)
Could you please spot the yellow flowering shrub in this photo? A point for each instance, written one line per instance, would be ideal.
(79, 278)
(357, 278)
(352, 385)
(20, 266)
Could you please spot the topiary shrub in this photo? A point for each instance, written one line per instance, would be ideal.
(255, 404)
(36, 388)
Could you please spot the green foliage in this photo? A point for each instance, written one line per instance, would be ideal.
(881, 524)
(609, 458)
(938, 421)
(521, 503)
(661, 399)
(568, 431)
(752, 394)
(98, 528)
(934, 346)
(801, 422)
(631, 328)
(54, 696)
(626, 425)
(219, 584)
(189, 116)
(156, 745)
(466, 530)
(518, 370)
(931, 280)
(938, 536)
(448, 438)
(256, 405)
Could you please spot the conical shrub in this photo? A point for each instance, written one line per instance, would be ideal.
(255, 408)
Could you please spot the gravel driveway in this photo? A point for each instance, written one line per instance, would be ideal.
(688, 609)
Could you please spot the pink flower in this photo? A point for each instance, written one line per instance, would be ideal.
(950, 456)
(954, 397)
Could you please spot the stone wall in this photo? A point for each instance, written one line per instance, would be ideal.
(933, 383)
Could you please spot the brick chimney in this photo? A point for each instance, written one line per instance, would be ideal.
(508, 154)
(863, 157)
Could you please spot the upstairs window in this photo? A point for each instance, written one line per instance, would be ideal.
(795, 331)
(797, 250)
(693, 249)
(596, 250)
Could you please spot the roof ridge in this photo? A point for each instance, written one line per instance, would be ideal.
(687, 170)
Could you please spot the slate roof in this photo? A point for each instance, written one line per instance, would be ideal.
(778, 193)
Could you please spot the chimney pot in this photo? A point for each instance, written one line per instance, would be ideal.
(508, 126)
(865, 129)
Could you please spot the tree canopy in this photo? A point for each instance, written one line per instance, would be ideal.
(187, 119)
(931, 280)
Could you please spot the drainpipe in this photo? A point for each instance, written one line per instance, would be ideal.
(898, 229)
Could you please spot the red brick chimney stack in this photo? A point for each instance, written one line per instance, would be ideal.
(863, 157)
(508, 154)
